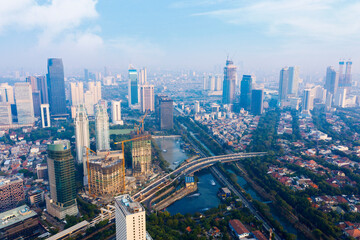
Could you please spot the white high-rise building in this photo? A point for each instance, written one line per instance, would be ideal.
(293, 80)
(142, 76)
(197, 107)
(130, 219)
(102, 127)
(77, 93)
(82, 137)
(45, 115)
(116, 112)
(218, 85)
(340, 97)
(308, 100)
(212, 83)
(6, 93)
(24, 103)
(95, 88)
(147, 98)
(5, 113)
(92, 97)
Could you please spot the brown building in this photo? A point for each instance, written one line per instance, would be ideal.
(106, 174)
(18, 223)
(11, 192)
(141, 157)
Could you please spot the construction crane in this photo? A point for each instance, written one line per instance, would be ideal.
(123, 150)
(88, 167)
(140, 128)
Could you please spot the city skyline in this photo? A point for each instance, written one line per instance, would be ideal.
(301, 33)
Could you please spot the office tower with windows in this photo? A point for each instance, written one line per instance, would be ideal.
(133, 87)
(5, 113)
(24, 103)
(331, 80)
(197, 107)
(7, 93)
(12, 192)
(86, 75)
(42, 87)
(245, 92)
(56, 86)
(36, 94)
(92, 96)
(62, 200)
(45, 115)
(283, 84)
(340, 97)
(308, 100)
(164, 112)
(116, 112)
(142, 76)
(293, 86)
(141, 157)
(147, 98)
(229, 83)
(82, 137)
(257, 101)
(77, 93)
(130, 219)
(102, 127)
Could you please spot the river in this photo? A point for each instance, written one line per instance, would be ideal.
(171, 151)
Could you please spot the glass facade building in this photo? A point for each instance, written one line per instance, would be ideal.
(56, 87)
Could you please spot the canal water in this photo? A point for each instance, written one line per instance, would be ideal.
(171, 151)
(286, 225)
(201, 200)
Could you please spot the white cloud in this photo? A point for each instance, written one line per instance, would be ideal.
(316, 19)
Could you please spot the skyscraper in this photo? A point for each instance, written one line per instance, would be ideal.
(141, 157)
(257, 101)
(42, 87)
(45, 115)
(147, 98)
(245, 92)
(308, 100)
(86, 75)
(56, 86)
(283, 84)
(293, 81)
(82, 137)
(92, 96)
(345, 80)
(133, 86)
(7, 93)
(36, 94)
(77, 93)
(142, 76)
(229, 83)
(340, 97)
(5, 113)
(116, 112)
(62, 200)
(102, 127)
(130, 219)
(331, 80)
(24, 103)
(164, 107)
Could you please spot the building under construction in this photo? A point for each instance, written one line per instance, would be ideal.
(141, 157)
(106, 174)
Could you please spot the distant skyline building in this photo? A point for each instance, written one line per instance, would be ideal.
(340, 97)
(293, 84)
(283, 84)
(245, 91)
(45, 115)
(257, 101)
(5, 113)
(56, 86)
(133, 86)
(229, 83)
(102, 127)
(345, 78)
(142, 76)
(43, 88)
(147, 98)
(164, 108)
(7, 93)
(130, 219)
(24, 103)
(331, 80)
(116, 112)
(62, 200)
(77, 93)
(308, 100)
(82, 137)
(86, 75)
(92, 96)
(197, 107)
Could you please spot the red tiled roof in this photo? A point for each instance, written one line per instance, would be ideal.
(259, 235)
(238, 226)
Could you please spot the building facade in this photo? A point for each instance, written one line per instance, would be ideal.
(12, 192)
(102, 127)
(116, 112)
(245, 92)
(45, 115)
(331, 80)
(56, 87)
(77, 93)
(133, 87)
(257, 101)
(24, 103)
(5, 113)
(164, 111)
(141, 157)
(229, 83)
(147, 98)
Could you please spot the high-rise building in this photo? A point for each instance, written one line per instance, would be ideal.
(24, 103)
(345, 79)
(92, 97)
(340, 97)
(7, 93)
(147, 98)
(331, 80)
(218, 84)
(197, 107)
(308, 100)
(45, 115)
(5, 113)
(77, 93)
(106, 174)
(86, 75)
(341, 73)
(229, 83)
(62, 200)
(56, 86)
(293, 84)
(130, 219)
(116, 112)
(283, 84)
(245, 91)
(257, 101)
(42, 87)
(102, 127)
(141, 157)
(82, 137)
(164, 107)
(12, 192)
(133, 86)
(142, 76)
(33, 83)
(36, 96)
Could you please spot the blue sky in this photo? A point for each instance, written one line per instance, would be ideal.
(260, 34)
